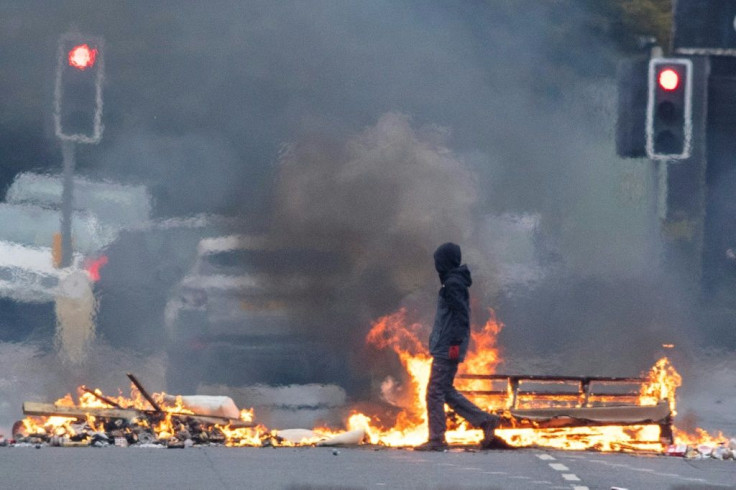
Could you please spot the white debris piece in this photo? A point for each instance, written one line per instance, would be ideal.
(705, 450)
(676, 450)
(220, 406)
(692, 453)
(349, 438)
(721, 452)
(297, 436)
(306, 436)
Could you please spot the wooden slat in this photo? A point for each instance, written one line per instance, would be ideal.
(537, 377)
(51, 410)
(484, 392)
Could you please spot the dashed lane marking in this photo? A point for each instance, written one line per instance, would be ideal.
(562, 467)
(648, 470)
(546, 457)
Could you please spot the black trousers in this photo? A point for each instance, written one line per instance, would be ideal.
(440, 391)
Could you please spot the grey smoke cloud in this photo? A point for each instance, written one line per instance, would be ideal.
(382, 200)
(390, 186)
(406, 124)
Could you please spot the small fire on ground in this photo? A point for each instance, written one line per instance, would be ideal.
(176, 421)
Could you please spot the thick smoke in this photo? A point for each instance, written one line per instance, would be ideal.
(381, 201)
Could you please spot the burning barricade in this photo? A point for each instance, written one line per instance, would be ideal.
(157, 420)
(142, 419)
(561, 412)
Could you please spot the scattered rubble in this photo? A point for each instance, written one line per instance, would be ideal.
(722, 451)
(178, 422)
(157, 420)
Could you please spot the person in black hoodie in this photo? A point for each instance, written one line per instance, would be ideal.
(448, 344)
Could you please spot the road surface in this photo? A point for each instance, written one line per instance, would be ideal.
(358, 467)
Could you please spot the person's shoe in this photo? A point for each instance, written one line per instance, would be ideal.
(496, 443)
(432, 446)
(489, 432)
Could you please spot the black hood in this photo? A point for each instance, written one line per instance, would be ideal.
(447, 257)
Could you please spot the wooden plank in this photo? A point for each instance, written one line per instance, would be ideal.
(536, 377)
(144, 392)
(102, 398)
(484, 392)
(51, 410)
(611, 415)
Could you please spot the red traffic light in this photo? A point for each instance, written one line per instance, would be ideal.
(668, 79)
(82, 57)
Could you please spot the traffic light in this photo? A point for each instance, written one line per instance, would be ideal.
(78, 89)
(669, 109)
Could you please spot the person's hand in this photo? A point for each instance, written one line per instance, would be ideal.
(454, 352)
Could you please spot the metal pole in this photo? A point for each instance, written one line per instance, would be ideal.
(67, 195)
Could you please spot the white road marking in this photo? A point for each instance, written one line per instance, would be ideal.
(647, 470)
(546, 457)
(562, 467)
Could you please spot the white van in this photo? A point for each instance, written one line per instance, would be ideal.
(30, 217)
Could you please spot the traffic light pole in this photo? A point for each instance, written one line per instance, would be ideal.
(67, 198)
(77, 115)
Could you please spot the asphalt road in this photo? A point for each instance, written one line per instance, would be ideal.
(362, 467)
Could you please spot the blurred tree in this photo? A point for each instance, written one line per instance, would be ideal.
(626, 21)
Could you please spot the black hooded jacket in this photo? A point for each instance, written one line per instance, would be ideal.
(452, 320)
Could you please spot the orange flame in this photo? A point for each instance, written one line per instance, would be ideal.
(408, 425)
(392, 331)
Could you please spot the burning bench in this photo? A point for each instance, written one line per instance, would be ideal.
(551, 402)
